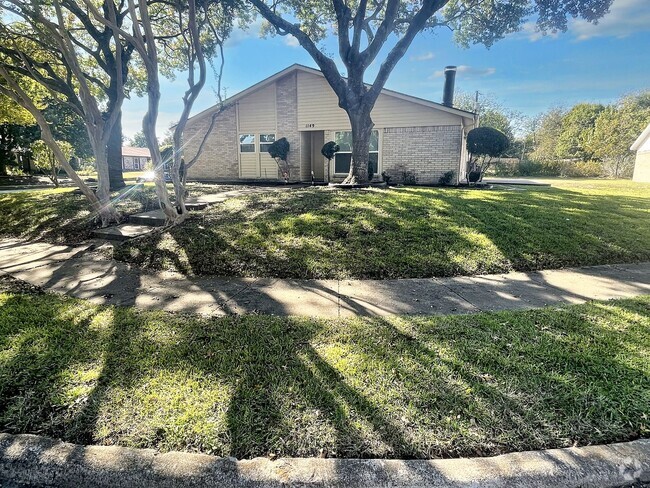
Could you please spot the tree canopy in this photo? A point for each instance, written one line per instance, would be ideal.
(363, 29)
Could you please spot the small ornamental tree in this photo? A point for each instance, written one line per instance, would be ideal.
(279, 151)
(329, 150)
(483, 144)
(45, 160)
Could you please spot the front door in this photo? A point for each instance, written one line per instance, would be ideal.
(317, 159)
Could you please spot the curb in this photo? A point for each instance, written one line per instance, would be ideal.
(39, 461)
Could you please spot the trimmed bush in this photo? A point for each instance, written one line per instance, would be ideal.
(483, 144)
(329, 149)
(280, 149)
(486, 141)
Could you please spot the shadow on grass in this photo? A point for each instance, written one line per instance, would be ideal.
(398, 388)
(62, 216)
(401, 233)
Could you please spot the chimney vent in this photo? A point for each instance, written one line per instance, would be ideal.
(450, 81)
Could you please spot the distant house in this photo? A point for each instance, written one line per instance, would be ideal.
(642, 164)
(411, 136)
(135, 158)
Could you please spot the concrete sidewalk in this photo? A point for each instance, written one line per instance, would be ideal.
(84, 272)
(28, 460)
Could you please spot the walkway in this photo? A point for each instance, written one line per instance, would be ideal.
(85, 272)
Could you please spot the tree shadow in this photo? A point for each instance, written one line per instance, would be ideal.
(394, 388)
(63, 217)
(400, 233)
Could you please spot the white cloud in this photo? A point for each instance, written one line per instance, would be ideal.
(423, 57)
(291, 41)
(625, 17)
(467, 72)
(531, 32)
(238, 34)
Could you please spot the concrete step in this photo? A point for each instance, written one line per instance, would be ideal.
(196, 205)
(152, 218)
(122, 232)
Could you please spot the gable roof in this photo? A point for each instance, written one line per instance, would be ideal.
(141, 152)
(307, 69)
(641, 139)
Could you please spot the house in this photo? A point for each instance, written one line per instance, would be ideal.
(412, 137)
(642, 164)
(135, 158)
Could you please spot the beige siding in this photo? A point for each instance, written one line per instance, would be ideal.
(257, 110)
(249, 165)
(268, 167)
(318, 109)
(642, 167)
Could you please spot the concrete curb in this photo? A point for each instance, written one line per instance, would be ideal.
(39, 461)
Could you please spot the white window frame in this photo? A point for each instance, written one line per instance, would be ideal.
(259, 138)
(378, 151)
(255, 141)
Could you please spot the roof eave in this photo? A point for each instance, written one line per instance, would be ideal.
(641, 139)
(307, 69)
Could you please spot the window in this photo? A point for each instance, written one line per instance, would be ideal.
(265, 142)
(343, 158)
(247, 143)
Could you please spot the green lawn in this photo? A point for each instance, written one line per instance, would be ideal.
(58, 215)
(401, 387)
(407, 232)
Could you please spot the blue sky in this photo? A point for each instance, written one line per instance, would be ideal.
(525, 72)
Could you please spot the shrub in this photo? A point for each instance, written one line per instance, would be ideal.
(329, 149)
(585, 169)
(279, 151)
(447, 178)
(409, 177)
(486, 141)
(386, 177)
(483, 144)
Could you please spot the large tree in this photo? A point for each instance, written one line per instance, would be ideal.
(365, 29)
(616, 129)
(98, 42)
(42, 49)
(546, 132)
(577, 131)
(98, 53)
(188, 32)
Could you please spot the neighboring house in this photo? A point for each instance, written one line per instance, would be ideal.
(642, 164)
(412, 135)
(135, 158)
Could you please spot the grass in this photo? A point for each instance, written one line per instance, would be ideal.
(407, 232)
(403, 387)
(59, 215)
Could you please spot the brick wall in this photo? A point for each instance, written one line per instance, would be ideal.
(287, 120)
(428, 152)
(220, 157)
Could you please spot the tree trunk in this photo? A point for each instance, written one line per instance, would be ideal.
(149, 130)
(362, 125)
(114, 155)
